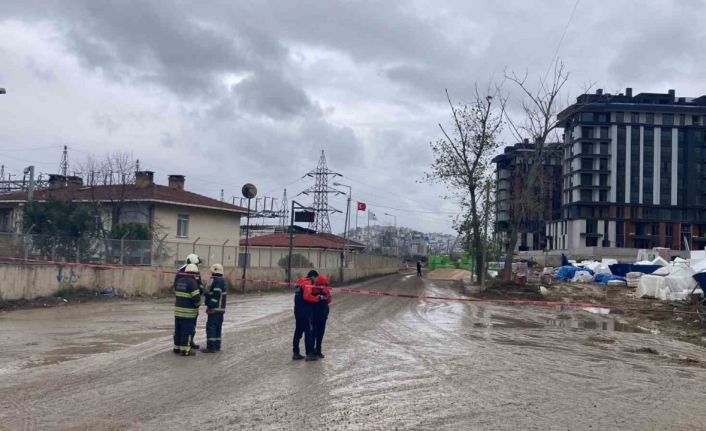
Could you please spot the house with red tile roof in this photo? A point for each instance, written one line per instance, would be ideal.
(170, 211)
(317, 250)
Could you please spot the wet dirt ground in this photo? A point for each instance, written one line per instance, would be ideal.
(391, 363)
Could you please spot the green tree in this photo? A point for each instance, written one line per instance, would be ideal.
(462, 158)
(134, 231)
(63, 229)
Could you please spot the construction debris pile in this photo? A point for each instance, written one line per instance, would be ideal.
(653, 275)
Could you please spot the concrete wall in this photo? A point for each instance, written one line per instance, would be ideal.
(622, 255)
(32, 281)
(20, 281)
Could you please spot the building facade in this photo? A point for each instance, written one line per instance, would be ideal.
(511, 169)
(634, 172)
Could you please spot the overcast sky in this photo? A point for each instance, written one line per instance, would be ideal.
(228, 92)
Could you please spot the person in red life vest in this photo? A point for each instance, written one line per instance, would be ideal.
(320, 312)
(303, 316)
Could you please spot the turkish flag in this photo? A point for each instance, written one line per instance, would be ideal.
(361, 206)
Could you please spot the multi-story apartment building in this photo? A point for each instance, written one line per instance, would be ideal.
(634, 172)
(511, 169)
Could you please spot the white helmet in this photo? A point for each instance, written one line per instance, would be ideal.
(217, 268)
(192, 268)
(193, 258)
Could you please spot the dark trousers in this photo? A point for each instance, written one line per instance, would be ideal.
(193, 334)
(214, 324)
(320, 317)
(183, 333)
(419, 272)
(303, 326)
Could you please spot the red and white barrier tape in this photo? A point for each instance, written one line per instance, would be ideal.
(336, 289)
(479, 300)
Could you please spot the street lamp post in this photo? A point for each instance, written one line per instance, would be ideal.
(249, 191)
(397, 251)
(346, 223)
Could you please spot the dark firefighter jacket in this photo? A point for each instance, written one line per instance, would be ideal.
(187, 297)
(217, 294)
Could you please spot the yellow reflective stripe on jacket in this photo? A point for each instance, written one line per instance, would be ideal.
(182, 294)
(195, 292)
(185, 312)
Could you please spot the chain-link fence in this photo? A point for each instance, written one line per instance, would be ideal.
(173, 254)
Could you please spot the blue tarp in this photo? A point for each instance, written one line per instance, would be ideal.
(566, 273)
(604, 278)
(622, 269)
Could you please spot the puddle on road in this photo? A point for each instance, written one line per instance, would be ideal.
(590, 322)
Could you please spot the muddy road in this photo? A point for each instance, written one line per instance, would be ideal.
(391, 364)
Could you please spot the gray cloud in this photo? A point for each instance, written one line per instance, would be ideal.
(234, 90)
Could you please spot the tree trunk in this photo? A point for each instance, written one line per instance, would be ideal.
(477, 239)
(507, 270)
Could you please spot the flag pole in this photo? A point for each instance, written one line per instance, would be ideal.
(368, 231)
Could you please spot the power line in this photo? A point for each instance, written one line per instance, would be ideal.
(561, 39)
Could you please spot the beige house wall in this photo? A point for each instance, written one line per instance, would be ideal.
(209, 226)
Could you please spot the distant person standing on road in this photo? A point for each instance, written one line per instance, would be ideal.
(186, 307)
(321, 310)
(215, 308)
(419, 268)
(303, 317)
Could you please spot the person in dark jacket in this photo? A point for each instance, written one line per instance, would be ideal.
(195, 260)
(215, 308)
(419, 268)
(303, 299)
(186, 306)
(320, 311)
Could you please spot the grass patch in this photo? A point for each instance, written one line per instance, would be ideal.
(69, 292)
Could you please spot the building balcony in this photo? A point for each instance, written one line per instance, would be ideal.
(591, 187)
(644, 236)
(591, 234)
(589, 155)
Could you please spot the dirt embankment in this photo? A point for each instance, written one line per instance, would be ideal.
(675, 319)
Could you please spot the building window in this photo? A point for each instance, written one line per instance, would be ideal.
(668, 119)
(587, 117)
(586, 163)
(604, 147)
(634, 117)
(586, 179)
(587, 195)
(605, 133)
(695, 120)
(587, 132)
(650, 118)
(182, 226)
(587, 148)
(682, 119)
(619, 117)
(603, 196)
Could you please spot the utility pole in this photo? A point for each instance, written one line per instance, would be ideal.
(30, 188)
(64, 165)
(397, 251)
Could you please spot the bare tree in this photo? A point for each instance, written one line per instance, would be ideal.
(462, 159)
(538, 124)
